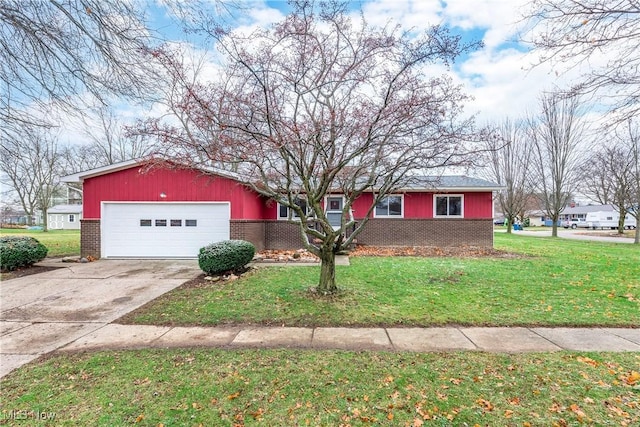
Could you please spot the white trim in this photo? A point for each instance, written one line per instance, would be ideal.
(327, 211)
(435, 206)
(326, 204)
(375, 214)
(286, 218)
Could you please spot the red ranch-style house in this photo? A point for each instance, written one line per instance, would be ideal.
(130, 210)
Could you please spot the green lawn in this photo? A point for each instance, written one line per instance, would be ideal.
(59, 242)
(327, 388)
(550, 282)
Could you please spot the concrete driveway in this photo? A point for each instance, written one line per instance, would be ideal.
(42, 312)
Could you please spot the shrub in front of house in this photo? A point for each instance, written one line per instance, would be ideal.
(20, 251)
(228, 255)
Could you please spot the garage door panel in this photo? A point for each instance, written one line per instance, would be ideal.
(123, 235)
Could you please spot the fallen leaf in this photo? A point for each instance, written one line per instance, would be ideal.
(556, 407)
(514, 401)
(139, 418)
(234, 395)
(485, 404)
(587, 360)
(390, 416)
(632, 378)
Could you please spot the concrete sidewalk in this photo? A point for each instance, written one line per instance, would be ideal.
(437, 339)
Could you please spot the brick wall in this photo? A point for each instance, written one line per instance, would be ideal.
(251, 231)
(377, 232)
(90, 238)
(282, 235)
(427, 232)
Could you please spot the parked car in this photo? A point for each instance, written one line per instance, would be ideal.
(574, 223)
(499, 221)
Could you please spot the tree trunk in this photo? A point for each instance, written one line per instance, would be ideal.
(621, 223)
(327, 283)
(554, 228)
(636, 240)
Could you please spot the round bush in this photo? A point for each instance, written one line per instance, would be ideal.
(20, 251)
(228, 255)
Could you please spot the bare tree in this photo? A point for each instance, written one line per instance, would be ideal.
(603, 35)
(321, 104)
(595, 177)
(30, 160)
(607, 177)
(556, 135)
(108, 143)
(509, 163)
(51, 51)
(633, 153)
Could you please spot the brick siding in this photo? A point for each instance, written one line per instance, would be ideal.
(251, 231)
(90, 238)
(377, 232)
(427, 232)
(282, 235)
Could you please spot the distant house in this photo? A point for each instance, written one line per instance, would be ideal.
(581, 211)
(168, 212)
(64, 217)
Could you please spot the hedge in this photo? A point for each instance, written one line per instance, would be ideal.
(227, 255)
(20, 251)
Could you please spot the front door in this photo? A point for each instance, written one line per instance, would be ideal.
(334, 206)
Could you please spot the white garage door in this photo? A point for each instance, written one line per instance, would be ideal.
(161, 230)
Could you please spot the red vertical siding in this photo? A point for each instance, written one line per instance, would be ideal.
(478, 205)
(179, 185)
(183, 185)
(420, 205)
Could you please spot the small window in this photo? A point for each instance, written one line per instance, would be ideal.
(161, 222)
(283, 211)
(449, 206)
(190, 222)
(145, 223)
(72, 218)
(176, 223)
(389, 206)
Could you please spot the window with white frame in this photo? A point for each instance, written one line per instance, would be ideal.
(391, 206)
(448, 205)
(283, 211)
(72, 218)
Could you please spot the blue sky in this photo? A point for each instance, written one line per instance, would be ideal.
(499, 77)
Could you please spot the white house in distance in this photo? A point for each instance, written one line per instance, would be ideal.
(64, 217)
(582, 211)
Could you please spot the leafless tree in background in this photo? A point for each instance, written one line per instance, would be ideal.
(107, 143)
(509, 163)
(600, 34)
(633, 153)
(556, 134)
(30, 161)
(606, 177)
